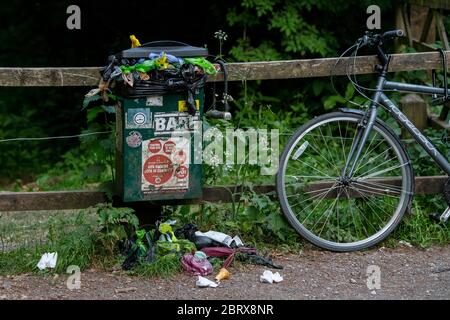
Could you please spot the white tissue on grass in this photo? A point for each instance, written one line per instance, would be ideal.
(48, 260)
(203, 283)
(270, 277)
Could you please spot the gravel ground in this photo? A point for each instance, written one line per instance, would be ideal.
(406, 273)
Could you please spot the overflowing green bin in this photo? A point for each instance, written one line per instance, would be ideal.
(157, 135)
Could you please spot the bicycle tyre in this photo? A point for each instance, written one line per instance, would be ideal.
(405, 193)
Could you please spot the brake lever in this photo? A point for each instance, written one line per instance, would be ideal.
(363, 41)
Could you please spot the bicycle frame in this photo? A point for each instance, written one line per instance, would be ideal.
(379, 98)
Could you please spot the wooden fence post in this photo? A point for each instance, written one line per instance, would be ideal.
(415, 108)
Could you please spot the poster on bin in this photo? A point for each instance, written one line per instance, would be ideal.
(165, 164)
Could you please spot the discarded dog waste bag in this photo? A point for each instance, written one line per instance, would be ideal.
(159, 88)
(196, 264)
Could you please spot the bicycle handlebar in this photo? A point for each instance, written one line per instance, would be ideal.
(371, 39)
(393, 34)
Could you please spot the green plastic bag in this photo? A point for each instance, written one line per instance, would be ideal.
(144, 67)
(203, 63)
(182, 246)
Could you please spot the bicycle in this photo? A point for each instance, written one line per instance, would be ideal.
(345, 179)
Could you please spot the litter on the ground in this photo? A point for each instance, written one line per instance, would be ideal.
(143, 246)
(48, 260)
(270, 277)
(166, 232)
(222, 275)
(222, 238)
(405, 243)
(125, 290)
(203, 283)
(229, 252)
(196, 264)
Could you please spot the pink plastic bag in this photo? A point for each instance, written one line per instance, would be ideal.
(195, 265)
(230, 252)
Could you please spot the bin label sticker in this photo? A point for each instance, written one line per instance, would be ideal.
(154, 101)
(138, 118)
(183, 108)
(134, 139)
(168, 123)
(165, 164)
(154, 146)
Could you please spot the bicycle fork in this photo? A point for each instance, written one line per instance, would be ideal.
(363, 131)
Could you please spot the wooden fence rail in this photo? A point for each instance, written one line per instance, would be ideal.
(80, 199)
(265, 70)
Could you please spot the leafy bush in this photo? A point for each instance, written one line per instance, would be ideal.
(114, 224)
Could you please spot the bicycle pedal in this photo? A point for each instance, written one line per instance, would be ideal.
(444, 216)
(440, 218)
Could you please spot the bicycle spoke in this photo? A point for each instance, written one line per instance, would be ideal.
(375, 193)
(373, 159)
(320, 197)
(309, 177)
(335, 202)
(383, 185)
(368, 151)
(303, 222)
(326, 145)
(371, 193)
(383, 171)
(353, 214)
(325, 175)
(342, 142)
(310, 198)
(318, 152)
(369, 200)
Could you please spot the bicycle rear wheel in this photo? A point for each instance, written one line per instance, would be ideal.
(344, 214)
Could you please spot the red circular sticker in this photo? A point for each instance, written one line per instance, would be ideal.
(179, 157)
(154, 146)
(169, 147)
(181, 172)
(158, 169)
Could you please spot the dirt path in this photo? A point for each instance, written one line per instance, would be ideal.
(406, 273)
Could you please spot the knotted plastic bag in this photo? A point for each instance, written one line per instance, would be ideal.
(196, 264)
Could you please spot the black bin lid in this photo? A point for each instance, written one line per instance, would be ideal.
(178, 49)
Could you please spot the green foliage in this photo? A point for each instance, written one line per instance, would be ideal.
(337, 100)
(82, 239)
(422, 163)
(164, 266)
(91, 164)
(418, 229)
(28, 112)
(18, 261)
(288, 21)
(71, 237)
(75, 244)
(113, 224)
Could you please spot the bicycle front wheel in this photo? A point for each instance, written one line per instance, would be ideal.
(344, 214)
